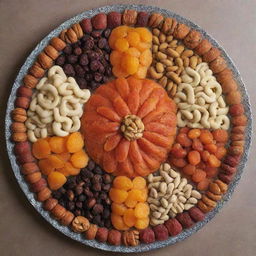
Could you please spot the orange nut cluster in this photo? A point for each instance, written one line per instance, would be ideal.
(60, 157)
(131, 53)
(129, 206)
(198, 153)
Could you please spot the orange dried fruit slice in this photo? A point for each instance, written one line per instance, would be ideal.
(79, 159)
(56, 180)
(118, 222)
(122, 182)
(57, 144)
(141, 210)
(121, 45)
(133, 38)
(118, 209)
(118, 195)
(75, 142)
(41, 149)
(45, 166)
(129, 217)
(142, 223)
(139, 183)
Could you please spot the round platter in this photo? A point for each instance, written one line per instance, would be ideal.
(38, 206)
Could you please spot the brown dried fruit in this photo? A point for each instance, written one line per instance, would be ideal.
(58, 212)
(214, 188)
(203, 47)
(218, 65)
(227, 168)
(22, 148)
(78, 30)
(228, 85)
(114, 19)
(233, 97)
(51, 52)
(29, 168)
(185, 220)
(211, 55)
(181, 31)
(71, 34)
(208, 201)
(161, 232)
(25, 158)
(24, 92)
(236, 136)
(86, 25)
(232, 160)
(38, 186)
(102, 235)
(131, 238)
(57, 43)
(91, 232)
(147, 236)
(44, 194)
(45, 61)
(18, 127)
(30, 81)
(238, 129)
(114, 237)
(19, 115)
(19, 136)
(227, 178)
(142, 19)
(67, 218)
(155, 20)
(99, 21)
(80, 224)
(239, 120)
(193, 39)
(33, 177)
(213, 196)
(49, 204)
(238, 142)
(236, 110)
(22, 102)
(222, 186)
(129, 17)
(203, 207)
(173, 227)
(64, 37)
(196, 214)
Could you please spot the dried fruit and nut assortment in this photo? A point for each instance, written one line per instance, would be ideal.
(129, 127)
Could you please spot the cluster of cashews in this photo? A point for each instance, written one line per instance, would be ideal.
(200, 101)
(56, 106)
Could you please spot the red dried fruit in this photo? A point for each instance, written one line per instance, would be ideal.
(142, 19)
(114, 19)
(226, 178)
(147, 236)
(114, 237)
(185, 220)
(161, 232)
(173, 227)
(22, 102)
(197, 145)
(236, 110)
(24, 92)
(233, 161)
(184, 140)
(239, 120)
(99, 21)
(196, 214)
(102, 235)
(86, 25)
(178, 151)
(227, 169)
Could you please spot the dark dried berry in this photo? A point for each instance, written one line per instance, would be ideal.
(96, 34)
(89, 44)
(106, 187)
(97, 77)
(114, 19)
(81, 82)
(97, 178)
(107, 178)
(96, 220)
(91, 202)
(97, 209)
(94, 65)
(88, 192)
(91, 166)
(69, 70)
(107, 32)
(77, 51)
(107, 223)
(142, 19)
(70, 195)
(88, 77)
(68, 49)
(83, 60)
(102, 43)
(78, 212)
(60, 60)
(72, 59)
(82, 198)
(101, 71)
(106, 213)
(96, 187)
(79, 71)
(56, 194)
(70, 206)
(79, 190)
(79, 205)
(98, 170)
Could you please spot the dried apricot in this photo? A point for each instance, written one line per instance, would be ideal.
(194, 157)
(79, 159)
(122, 182)
(133, 52)
(178, 162)
(220, 135)
(75, 142)
(141, 223)
(121, 45)
(118, 209)
(141, 72)
(41, 149)
(131, 203)
(221, 152)
(129, 217)
(139, 183)
(57, 144)
(212, 148)
(69, 168)
(189, 169)
(65, 156)
(206, 137)
(211, 171)
(205, 155)
(184, 140)
(194, 133)
(118, 195)
(119, 72)
(145, 34)
(203, 185)
(130, 64)
(214, 161)
(45, 167)
(141, 210)
(178, 151)
(197, 145)
(55, 161)
(115, 58)
(199, 175)
(146, 58)
(56, 180)
(133, 38)
(118, 222)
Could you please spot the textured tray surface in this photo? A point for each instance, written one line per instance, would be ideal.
(24, 185)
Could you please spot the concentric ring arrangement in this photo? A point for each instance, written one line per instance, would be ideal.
(129, 126)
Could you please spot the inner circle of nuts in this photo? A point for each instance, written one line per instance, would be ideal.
(169, 194)
(170, 57)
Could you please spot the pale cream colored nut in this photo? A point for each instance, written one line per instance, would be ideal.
(180, 49)
(57, 43)
(80, 224)
(130, 238)
(51, 52)
(163, 81)
(154, 74)
(162, 37)
(44, 60)
(155, 20)
(172, 53)
(129, 17)
(78, 30)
